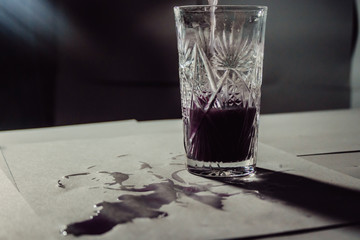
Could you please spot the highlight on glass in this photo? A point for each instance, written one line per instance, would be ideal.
(221, 51)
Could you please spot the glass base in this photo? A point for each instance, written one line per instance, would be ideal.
(221, 170)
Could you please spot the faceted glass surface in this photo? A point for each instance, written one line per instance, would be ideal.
(220, 67)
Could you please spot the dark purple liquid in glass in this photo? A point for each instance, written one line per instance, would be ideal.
(220, 135)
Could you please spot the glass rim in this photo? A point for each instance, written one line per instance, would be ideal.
(206, 8)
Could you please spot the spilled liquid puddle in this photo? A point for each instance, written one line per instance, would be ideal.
(146, 205)
(148, 200)
(139, 202)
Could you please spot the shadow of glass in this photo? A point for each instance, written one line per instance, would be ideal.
(318, 197)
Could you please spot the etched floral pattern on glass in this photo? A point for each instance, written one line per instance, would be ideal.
(220, 69)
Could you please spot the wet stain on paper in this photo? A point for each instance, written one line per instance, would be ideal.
(175, 176)
(142, 202)
(118, 177)
(145, 165)
(146, 205)
(76, 174)
(148, 200)
(60, 185)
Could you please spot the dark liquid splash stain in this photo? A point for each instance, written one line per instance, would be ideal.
(158, 176)
(176, 177)
(60, 185)
(317, 197)
(119, 177)
(176, 157)
(146, 205)
(76, 174)
(145, 165)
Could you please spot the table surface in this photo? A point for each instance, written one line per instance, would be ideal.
(320, 148)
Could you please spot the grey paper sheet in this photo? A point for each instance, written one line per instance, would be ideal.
(17, 218)
(82, 131)
(347, 163)
(287, 193)
(312, 132)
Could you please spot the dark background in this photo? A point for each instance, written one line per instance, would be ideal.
(67, 62)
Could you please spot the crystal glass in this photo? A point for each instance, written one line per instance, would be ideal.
(221, 52)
